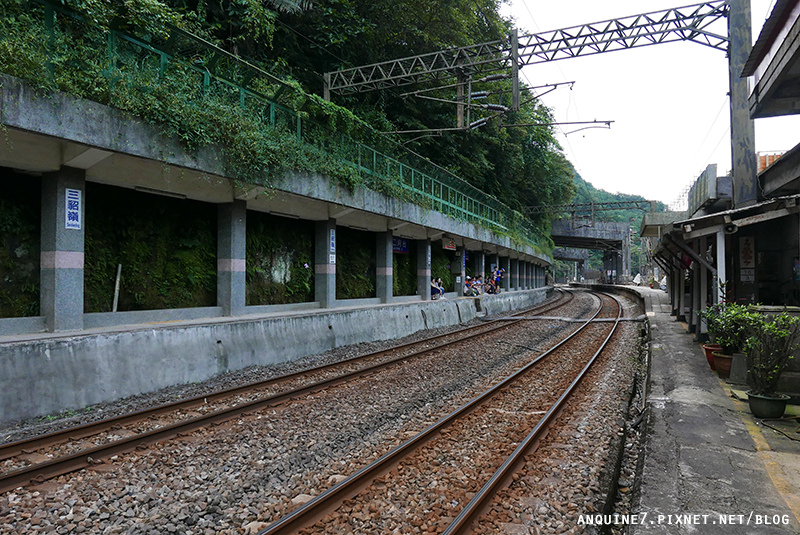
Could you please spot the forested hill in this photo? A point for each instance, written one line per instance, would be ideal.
(586, 193)
(511, 154)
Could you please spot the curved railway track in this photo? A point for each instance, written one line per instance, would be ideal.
(40, 458)
(435, 460)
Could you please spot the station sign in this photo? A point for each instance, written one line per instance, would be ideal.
(72, 215)
(400, 245)
(449, 244)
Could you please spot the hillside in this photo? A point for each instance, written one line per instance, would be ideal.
(585, 192)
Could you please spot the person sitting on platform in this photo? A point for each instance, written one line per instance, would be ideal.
(469, 288)
(477, 283)
(489, 286)
(436, 292)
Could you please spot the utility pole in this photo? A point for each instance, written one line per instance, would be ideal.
(743, 147)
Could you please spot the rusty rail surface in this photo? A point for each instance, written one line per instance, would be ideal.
(328, 501)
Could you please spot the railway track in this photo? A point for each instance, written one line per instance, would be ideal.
(443, 478)
(41, 458)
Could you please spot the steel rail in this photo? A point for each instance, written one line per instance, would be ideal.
(13, 449)
(37, 473)
(332, 498)
(501, 478)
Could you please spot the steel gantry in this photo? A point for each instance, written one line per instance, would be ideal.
(689, 23)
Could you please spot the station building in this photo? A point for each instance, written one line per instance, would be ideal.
(292, 266)
(741, 242)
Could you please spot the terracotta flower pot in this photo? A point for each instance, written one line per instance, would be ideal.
(723, 364)
(767, 406)
(709, 349)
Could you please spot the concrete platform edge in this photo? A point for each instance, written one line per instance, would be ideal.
(67, 372)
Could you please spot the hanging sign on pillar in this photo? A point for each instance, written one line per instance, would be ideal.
(332, 250)
(400, 245)
(747, 259)
(72, 216)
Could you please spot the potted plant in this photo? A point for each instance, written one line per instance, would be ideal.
(770, 345)
(729, 321)
(711, 316)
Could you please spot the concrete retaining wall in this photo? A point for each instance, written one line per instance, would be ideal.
(50, 374)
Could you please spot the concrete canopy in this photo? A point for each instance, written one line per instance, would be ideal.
(775, 63)
(599, 235)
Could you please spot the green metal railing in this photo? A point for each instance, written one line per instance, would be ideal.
(378, 162)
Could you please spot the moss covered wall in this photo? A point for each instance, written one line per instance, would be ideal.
(442, 261)
(280, 260)
(20, 223)
(404, 271)
(167, 248)
(355, 264)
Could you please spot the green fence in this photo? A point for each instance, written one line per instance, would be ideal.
(379, 163)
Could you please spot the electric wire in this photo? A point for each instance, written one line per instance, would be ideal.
(324, 49)
(708, 132)
(574, 156)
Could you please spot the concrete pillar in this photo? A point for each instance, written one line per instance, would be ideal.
(424, 269)
(384, 285)
(514, 272)
(524, 275)
(743, 152)
(505, 263)
(673, 287)
(325, 263)
(626, 247)
(702, 328)
(722, 276)
(231, 257)
(62, 249)
(681, 295)
(460, 270)
(479, 263)
(494, 260)
(694, 319)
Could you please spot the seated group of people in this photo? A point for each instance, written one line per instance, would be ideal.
(472, 287)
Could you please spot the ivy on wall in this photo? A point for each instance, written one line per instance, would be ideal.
(280, 260)
(167, 248)
(442, 262)
(355, 264)
(19, 245)
(404, 271)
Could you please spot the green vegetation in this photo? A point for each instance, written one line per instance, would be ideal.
(167, 248)
(442, 262)
(280, 260)
(404, 271)
(355, 264)
(520, 166)
(19, 247)
(586, 193)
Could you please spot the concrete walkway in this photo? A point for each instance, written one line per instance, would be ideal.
(707, 462)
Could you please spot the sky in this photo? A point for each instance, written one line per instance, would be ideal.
(668, 102)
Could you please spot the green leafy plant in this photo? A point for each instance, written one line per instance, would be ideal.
(280, 260)
(726, 323)
(355, 264)
(770, 344)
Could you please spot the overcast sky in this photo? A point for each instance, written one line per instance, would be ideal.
(668, 102)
